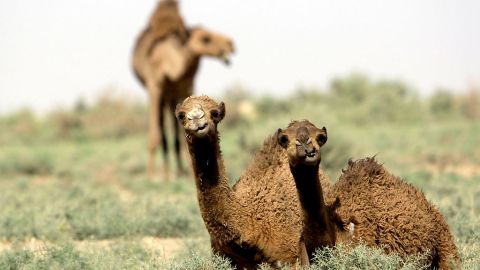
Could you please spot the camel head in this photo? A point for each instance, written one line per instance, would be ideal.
(302, 140)
(199, 116)
(203, 42)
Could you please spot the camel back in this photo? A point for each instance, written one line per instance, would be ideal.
(166, 20)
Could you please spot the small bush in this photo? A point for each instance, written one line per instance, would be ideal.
(442, 103)
(200, 262)
(362, 257)
(65, 257)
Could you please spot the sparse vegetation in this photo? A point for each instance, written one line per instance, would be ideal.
(71, 176)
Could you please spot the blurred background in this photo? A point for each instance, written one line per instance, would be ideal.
(54, 51)
(397, 80)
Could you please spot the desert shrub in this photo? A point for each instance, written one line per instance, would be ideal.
(21, 125)
(27, 162)
(470, 104)
(67, 124)
(114, 117)
(353, 89)
(65, 257)
(197, 261)
(358, 257)
(393, 101)
(110, 116)
(362, 257)
(357, 99)
(268, 106)
(108, 218)
(309, 95)
(59, 209)
(442, 103)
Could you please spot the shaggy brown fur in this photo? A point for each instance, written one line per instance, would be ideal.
(165, 60)
(258, 220)
(377, 208)
(391, 213)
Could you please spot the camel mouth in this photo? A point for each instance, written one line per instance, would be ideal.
(201, 131)
(202, 127)
(226, 59)
(311, 158)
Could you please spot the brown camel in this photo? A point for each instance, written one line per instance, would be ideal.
(256, 221)
(321, 226)
(374, 206)
(165, 60)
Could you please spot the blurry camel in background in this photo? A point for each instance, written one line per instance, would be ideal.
(165, 60)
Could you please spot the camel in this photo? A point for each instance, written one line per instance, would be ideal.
(165, 60)
(321, 226)
(258, 219)
(372, 206)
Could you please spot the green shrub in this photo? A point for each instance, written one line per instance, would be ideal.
(362, 257)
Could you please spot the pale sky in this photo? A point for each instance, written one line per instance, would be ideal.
(54, 51)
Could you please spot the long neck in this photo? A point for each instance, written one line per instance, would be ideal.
(193, 62)
(215, 197)
(189, 63)
(207, 163)
(317, 229)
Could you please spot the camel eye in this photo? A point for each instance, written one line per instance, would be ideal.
(321, 139)
(206, 39)
(181, 116)
(283, 140)
(214, 113)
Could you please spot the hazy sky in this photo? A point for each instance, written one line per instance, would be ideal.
(53, 51)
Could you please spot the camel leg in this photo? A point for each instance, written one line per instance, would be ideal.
(161, 121)
(303, 255)
(180, 169)
(153, 127)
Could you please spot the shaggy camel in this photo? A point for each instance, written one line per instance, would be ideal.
(321, 226)
(165, 60)
(381, 210)
(256, 221)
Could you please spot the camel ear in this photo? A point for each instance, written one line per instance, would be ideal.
(219, 113)
(282, 138)
(322, 136)
(221, 109)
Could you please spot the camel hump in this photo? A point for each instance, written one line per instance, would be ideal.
(166, 20)
(366, 166)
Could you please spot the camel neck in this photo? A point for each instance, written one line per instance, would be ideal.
(207, 162)
(317, 227)
(191, 58)
(309, 189)
(215, 197)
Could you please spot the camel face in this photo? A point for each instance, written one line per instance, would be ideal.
(203, 42)
(200, 116)
(302, 140)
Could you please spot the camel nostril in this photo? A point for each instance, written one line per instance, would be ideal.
(301, 152)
